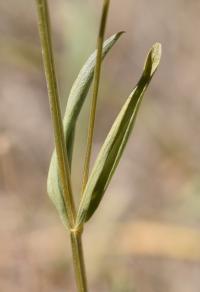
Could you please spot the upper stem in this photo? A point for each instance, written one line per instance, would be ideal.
(47, 52)
(95, 92)
(63, 165)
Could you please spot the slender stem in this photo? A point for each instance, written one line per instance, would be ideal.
(63, 164)
(95, 92)
(78, 260)
(47, 52)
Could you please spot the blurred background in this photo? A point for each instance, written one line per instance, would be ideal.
(145, 236)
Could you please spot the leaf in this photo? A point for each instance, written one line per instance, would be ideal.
(76, 99)
(80, 90)
(115, 142)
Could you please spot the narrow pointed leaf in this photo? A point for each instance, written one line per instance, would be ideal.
(115, 142)
(75, 102)
(80, 90)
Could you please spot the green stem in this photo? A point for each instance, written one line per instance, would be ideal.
(78, 260)
(63, 164)
(47, 52)
(95, 92)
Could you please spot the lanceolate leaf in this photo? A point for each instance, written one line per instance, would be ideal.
(115, 142)
(80, 90)
(76, 99)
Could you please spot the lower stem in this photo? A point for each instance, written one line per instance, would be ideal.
(78, 261)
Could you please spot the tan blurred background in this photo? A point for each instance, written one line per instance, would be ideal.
(145, 236)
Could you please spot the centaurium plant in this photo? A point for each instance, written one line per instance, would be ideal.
(95, 183)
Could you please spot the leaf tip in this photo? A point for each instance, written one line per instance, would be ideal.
(122, 32)
(153, 60)
(156, 53)
(118, 35)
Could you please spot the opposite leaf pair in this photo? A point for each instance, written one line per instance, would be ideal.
(114, 144)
